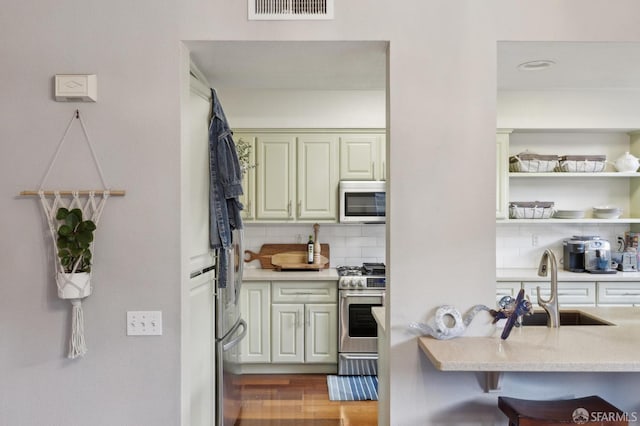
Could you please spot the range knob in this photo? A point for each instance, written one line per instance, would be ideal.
(362, 283)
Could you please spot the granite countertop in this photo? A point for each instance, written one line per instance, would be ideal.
(255, 274)
(539, 348)
(531, 274)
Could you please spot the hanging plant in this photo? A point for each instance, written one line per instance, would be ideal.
(75, 236)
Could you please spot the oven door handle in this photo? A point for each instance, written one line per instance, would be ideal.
(344, 295)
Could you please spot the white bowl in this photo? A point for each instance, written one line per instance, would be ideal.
(569, 214)
(607, 212)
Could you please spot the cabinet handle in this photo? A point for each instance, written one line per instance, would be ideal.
(308, 319)
(384, 171)
(373, 169)
(289, 208)
(299, 208)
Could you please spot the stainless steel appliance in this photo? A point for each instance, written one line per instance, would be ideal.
(597, 257)
(362, 201)
(230, 329)
(573, 252)
(360, 289)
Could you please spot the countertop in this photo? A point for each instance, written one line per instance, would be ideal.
(539, 348)
(256, 274)
(526, 274)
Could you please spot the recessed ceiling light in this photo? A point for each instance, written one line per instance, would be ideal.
(539, 65)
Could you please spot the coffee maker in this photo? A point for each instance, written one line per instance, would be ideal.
(597, 257)
(574, 252)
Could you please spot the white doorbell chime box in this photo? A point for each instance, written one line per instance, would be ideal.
(76, 87)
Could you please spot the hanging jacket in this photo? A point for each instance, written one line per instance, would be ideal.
(225, 187)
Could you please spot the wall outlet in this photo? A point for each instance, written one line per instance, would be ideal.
(144, 323)
(534, 240)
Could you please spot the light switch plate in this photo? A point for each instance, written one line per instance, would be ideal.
(144, 323)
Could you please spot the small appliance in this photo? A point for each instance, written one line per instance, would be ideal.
(597, 257)
(362, 201)
(574, 252)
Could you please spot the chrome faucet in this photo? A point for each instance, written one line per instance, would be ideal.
(548, 261)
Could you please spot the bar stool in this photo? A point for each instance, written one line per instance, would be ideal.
(524, 412)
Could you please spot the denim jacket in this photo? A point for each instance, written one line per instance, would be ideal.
(225, 187)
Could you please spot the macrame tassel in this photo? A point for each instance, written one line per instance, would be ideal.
(77, 346)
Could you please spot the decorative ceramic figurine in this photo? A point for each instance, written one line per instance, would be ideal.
(627, 163)
(522, 307)
(442, 331)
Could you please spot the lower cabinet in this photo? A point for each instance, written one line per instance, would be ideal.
(304, 333)
(618, 293)
(569, 293)
(255, 306)
(577, 293)
(289, 322)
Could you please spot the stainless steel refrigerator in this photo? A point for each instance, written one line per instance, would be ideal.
(230, 329)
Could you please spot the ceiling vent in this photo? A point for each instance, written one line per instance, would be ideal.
(290, 10)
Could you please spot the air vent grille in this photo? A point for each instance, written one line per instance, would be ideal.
(290, 9)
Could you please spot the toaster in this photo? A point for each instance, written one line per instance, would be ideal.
(629, 262)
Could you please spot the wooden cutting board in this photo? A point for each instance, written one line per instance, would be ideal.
(296, 260)
(268, 250)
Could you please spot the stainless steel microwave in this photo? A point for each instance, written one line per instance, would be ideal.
(362, 201)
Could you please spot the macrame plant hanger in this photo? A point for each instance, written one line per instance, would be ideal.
(73, 285)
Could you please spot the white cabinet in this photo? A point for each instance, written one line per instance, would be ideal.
(317, 171)
(295, 177)
(275, 176)
(502, 174)
(255, 306)
(618, 293)
(362, 157)
(304, 322)
(569, 293)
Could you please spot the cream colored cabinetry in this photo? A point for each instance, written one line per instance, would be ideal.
(304, 322)
(317, 171)
(608, 187)
(569, 293)
(255, 306)
(507, 288)
(502, 174)
(362, 157)
(295, 177)
(618, 293)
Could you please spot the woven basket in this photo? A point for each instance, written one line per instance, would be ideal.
(531, 209)
(532, 163)
(582, 163)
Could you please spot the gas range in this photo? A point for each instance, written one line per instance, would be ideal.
(367, 276)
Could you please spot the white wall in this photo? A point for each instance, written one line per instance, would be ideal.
(442, 114)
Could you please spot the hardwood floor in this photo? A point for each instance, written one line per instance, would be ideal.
(299, 400)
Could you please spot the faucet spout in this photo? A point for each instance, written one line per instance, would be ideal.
(548, 263)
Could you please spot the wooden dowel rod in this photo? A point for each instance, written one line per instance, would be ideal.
(112, 192)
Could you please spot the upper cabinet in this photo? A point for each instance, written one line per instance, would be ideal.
(362, 157)
(297, 172)
(570, 191)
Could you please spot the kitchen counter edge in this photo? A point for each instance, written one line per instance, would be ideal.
(526, 274)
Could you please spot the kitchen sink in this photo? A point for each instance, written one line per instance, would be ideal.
(566, 318)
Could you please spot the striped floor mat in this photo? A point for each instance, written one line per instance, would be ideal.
(353, 388)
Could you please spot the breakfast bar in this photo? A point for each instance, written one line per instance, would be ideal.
(577, 348)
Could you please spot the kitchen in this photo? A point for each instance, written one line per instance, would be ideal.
(442, 82)
(325, 183)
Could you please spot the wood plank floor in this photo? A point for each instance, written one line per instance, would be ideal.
(299, 400)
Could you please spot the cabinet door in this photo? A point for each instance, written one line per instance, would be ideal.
(618, 293)
(249, 177)
(359, 156)
(502, 175)
(507, 288)
(255, 305)
(321, 334)
(275, 176)
(569, 293)
(317, 173)
(287, 333)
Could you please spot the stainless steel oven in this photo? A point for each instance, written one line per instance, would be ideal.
(358, 330)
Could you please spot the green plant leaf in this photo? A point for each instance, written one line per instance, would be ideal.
(62, 213)
(65, 230)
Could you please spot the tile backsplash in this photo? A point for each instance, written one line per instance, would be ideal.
(521, 246)
(348, 244)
